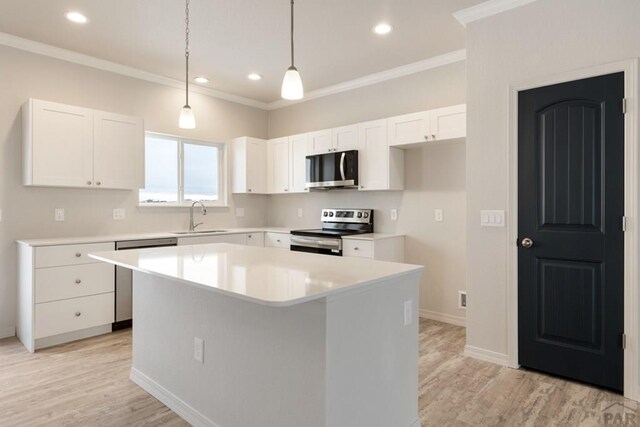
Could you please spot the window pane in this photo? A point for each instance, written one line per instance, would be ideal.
(161, 171)
(200, 173)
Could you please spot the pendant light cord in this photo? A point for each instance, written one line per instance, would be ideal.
(186, 49)
(292, 63)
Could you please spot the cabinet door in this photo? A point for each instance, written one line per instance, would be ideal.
(256, 164)
(409, 129)
(320, 142)
(298, 163)
(449, 122)
(373, 155)
(278, 165)
(345, 138)
(255, 239)
(118, 151)
(60, 150)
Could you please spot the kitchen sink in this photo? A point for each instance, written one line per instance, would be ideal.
(199, 232)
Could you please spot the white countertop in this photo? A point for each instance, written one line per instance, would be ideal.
(265, 276)
(54, 241)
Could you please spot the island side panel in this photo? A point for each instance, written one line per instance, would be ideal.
(262, 365)
(372, 357)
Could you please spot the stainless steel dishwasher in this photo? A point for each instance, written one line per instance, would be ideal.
(124, 279)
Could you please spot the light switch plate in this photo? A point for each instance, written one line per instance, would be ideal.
(119, 213)
(394, 214)
(58, 214)
(299, 212)
(492, 219)
(239, 212)
(438, 215)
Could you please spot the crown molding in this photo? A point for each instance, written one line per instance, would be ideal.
(393, 73)
(113, 67)
(486, 9)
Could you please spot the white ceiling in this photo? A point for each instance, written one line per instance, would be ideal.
(232, 38)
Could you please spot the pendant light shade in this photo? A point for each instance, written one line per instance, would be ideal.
(292, 83)
(187, 118)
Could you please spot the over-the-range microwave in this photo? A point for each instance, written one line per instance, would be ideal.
(332, 170)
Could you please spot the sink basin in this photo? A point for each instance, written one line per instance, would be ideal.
(198, 232)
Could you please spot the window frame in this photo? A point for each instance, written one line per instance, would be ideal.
(222, 172)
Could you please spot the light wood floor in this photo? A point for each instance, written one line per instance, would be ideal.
(86, 384)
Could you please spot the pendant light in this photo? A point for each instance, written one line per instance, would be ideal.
(292, 83)
(187, 119)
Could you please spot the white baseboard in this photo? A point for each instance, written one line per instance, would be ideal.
(185, 411)
(442, 317)
(8, 332)
(487, 355)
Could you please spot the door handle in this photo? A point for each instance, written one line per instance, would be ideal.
(342, 165)
(526, 243)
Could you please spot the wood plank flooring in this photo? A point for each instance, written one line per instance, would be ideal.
(86, 383)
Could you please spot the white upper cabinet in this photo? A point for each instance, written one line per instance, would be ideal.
(249, 168)
(115, 134)
(278, 165)
(320, 142)
(68, 146)
(380, 167)
(298, 146)
(344, 138)
(440, 124)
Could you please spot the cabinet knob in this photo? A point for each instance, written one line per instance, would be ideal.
(98, 183)
(426, 137)
(88, 182)
(356, 248)
(248, 190)
(249, 236)
(78, 254)
(433, 137)
(362, 186)
(278, 240)
(286, 189)
(78, 281)
(78, 314)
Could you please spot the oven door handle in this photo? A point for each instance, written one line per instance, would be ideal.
(302, 240)
(342, 158)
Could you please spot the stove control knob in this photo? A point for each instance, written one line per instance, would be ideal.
(325, 213)
(330, 213)
(359, 214)
(366, 214)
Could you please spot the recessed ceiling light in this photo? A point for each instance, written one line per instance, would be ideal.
(254, 76)
(382, 28)
(76, 17)
(201, 80)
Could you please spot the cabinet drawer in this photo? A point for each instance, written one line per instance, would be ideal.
(255, 239)
(55, 256)
(357, 248)
(59, 317)
(277, 240)
(57, 283)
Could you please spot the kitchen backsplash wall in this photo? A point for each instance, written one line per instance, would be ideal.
(28, 212)
(435, 179)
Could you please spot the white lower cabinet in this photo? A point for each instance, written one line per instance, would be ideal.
(277, 240)
(63, 295)
(255, 239)
(389, 248)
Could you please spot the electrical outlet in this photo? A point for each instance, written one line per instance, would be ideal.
(408, 312)
(58, 214)
(439, 215)
(198, 349)
(239, 212)
(394, 214)
(462, 299)
(299, 212)
(119, 214)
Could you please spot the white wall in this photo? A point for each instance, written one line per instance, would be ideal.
(27, 212)
(540, 39)
(435, 178)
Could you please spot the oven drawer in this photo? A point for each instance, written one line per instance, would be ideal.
(59, 317)
(72, 281)
(357, 248)
(54, 256)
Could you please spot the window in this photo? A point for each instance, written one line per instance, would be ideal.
(180, 171)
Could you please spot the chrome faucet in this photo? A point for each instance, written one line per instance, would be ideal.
(192, 226)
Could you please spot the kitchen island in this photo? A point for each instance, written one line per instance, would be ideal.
(231, 335)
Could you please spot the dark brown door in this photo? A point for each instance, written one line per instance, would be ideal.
(571, 244)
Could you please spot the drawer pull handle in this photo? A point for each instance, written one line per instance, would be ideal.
(78, 254)
(356, 248)
(78, 281)
(78, 314)
(278, 240)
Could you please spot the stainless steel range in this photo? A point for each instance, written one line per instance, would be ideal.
(335, 224)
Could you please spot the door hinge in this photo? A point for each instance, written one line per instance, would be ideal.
(624, 105)
(624, 223)
(624, 341)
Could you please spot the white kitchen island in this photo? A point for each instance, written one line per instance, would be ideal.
(289, 338)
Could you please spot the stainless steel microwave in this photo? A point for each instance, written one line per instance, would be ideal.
(332, 170)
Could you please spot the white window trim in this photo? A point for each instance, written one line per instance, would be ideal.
(222, 201)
